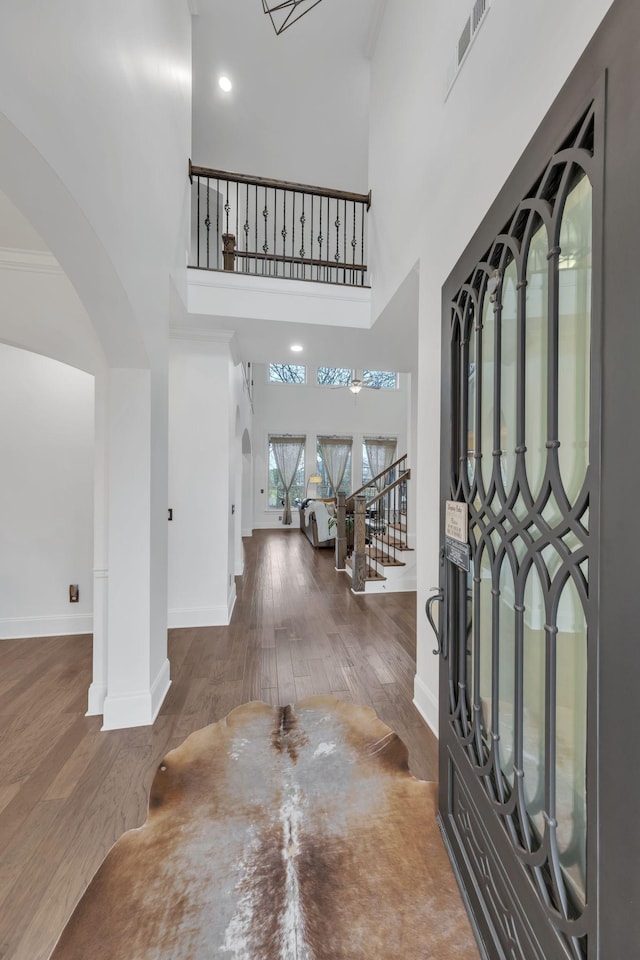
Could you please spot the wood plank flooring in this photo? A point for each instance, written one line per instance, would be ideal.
(68, 791)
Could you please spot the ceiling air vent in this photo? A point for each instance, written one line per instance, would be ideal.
(473, 23)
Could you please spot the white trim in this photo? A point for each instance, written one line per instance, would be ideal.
(426, 704)
(226, 280)
(239, 567)
(201, 334)
(137, 709)
(29, 261)
(199, 616)
(231, 601)
(95, 699)
(20, 628)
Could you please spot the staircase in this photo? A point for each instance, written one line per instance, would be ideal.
(381, 560)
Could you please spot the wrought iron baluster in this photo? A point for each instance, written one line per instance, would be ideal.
(207, 221)
(217, 223)
(344, 244)
(265, 245)
(246, 228)
(320, 238)
(293, 235)
(362, 244)
(283, 232)
(311, 266)
(198, 226)
(337, 226)
(302, 250)
(237, 214)
(354, 244)
(275, 228)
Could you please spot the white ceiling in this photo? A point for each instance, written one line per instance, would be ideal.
(299, 105)
(299, 110)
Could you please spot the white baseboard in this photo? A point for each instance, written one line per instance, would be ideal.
(248, 533)
(200, 616)
(231, 601)
(269, 521)
(426, 703)
(239, 570)
(95, 699)
(18, 628)
(137, 709)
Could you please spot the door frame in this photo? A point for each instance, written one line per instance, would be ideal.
(608, 73)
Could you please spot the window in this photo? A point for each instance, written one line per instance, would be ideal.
(383, 379)
(334, 376)
(287, 373)
(333, 459)
(378, 453)
(275, 486)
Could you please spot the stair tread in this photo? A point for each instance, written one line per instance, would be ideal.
(370, 572)
(392, 542)
(384, 558)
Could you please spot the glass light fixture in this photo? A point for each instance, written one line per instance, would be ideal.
(355, 386)
(285, 12)
(296, 347)
(225, 84)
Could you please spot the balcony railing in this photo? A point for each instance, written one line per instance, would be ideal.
(253, 225)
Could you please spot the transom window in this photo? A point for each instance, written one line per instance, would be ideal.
(287, 373)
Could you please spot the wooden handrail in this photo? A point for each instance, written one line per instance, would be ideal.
(377, 477)
(289, 185)
(405, 475)
(274, 257)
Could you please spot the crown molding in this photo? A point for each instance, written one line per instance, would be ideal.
(29, 261)
(201, 335)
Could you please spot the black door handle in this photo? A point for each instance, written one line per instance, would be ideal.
(439, 596)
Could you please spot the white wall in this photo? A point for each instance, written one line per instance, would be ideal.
(205, 393)
(46, 495)
(313, 411)
(41, 311)
(435, 169)
(94, 140)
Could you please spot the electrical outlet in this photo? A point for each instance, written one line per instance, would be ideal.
(74, 593)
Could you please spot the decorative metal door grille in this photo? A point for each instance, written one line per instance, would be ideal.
(521, 662)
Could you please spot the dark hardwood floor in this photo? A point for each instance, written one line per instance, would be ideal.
(68, 791)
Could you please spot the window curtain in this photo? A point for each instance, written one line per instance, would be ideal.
(286, 453)
(335, 456)
(380, 454)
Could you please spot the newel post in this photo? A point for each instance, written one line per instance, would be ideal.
(359, 562)
(229, 251)
(341, 531)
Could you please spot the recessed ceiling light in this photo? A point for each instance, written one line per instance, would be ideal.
(225, 84)
(296, 347)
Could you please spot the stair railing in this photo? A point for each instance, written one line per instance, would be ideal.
(379, 524)
(276, 228)
(379, 482)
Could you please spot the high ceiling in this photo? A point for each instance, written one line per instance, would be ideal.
(299, 105)
(299, 110)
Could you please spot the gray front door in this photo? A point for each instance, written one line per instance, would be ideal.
(518, 657)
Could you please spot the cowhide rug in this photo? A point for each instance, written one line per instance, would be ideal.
(279, 834)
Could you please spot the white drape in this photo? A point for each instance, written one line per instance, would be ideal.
(335, 456)
(286, 453)
(380, 454)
